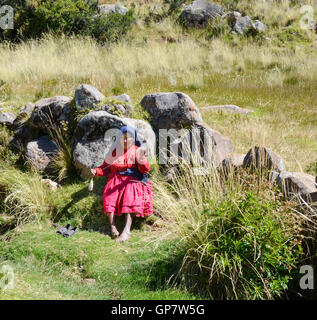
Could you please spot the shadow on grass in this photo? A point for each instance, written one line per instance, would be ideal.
(161, 272)
(86, 208)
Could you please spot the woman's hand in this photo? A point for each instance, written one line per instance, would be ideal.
(93, 172)
(140, 155)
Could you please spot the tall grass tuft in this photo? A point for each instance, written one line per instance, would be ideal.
(242, 239)
(62, 162)
(23, 197)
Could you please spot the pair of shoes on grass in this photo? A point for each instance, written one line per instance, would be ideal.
(66, 231)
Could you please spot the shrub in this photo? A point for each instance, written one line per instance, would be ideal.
(111, 27)
(62, 163)
(247, 250)
(35, 18)
(242, 240)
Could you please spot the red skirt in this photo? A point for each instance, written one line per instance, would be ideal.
(125, 194)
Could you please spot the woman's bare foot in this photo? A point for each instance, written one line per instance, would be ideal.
(114, 232)
(123, 237)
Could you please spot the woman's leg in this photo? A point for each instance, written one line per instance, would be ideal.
(114, 231)
(125, 235)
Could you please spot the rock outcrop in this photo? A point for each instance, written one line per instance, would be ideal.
(94, 136)
(171, 110)
(199, 13)
(240, 24)
(51, 111)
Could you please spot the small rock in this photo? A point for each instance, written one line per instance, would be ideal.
(7, 118)
(242, 24)
(227, 108)
(112, 8)
(259, 26)
(87, 96)
(89, 281)
(51, 111)
(49, 183)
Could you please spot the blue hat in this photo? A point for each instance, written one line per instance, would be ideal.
(132, 131)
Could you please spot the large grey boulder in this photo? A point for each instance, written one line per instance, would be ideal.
(87, 96)
(199, 13)
(51, 111)
(292, 183)
(264, 158)
(202, 146)
(112, 8)
(94, 137)
(171, 110)
(40, 153)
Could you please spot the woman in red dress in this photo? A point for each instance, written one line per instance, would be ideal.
(127, 191)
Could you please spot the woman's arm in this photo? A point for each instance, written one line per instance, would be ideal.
(141, 161)
(103, 170)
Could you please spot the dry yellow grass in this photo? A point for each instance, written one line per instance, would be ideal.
(277, 82)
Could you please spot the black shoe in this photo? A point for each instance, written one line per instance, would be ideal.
(63, 230)
(70, 232)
